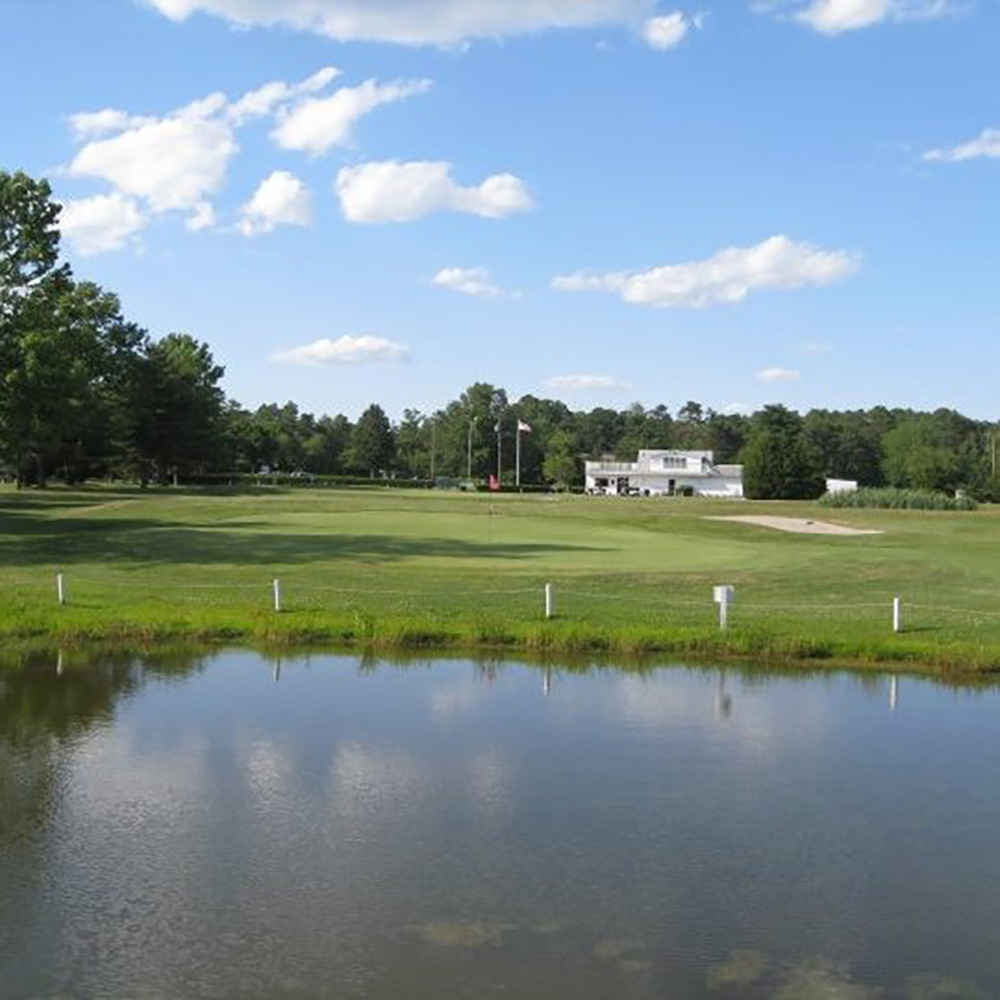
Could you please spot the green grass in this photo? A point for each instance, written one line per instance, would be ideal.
(400, 569)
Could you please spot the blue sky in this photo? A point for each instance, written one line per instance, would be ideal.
(596, 200)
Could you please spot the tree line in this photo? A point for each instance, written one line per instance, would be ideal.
(86, 393)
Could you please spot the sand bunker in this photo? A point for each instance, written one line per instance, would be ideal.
(798, 525)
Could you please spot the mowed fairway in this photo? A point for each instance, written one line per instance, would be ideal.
(411, 567)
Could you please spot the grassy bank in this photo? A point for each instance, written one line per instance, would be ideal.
(395, 569)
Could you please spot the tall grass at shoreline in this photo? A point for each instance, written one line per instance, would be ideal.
(892, 498)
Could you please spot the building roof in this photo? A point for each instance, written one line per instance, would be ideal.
(650, 453)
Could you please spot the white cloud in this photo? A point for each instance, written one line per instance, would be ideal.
(833, 17)
(88, 124)
(266, 100)
(666, 31)
(429, 22)
(173, 163)
(280, 200)
(586, 383)
(985, 145)
(203, 217)
(778, 375)
(729, 276)
(585, 281)
(316, 124)
(816, 347)
(177, 162)
(738, 409)
(391, 191)
(344, 351)
(474, 281)
(101, 224)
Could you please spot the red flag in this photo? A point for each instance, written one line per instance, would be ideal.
(494, 484)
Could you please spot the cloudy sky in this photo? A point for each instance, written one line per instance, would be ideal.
(735, 201)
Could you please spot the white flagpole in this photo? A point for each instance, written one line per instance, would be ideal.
(517, 480)
(499, 454)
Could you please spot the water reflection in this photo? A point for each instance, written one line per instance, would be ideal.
(195, 823)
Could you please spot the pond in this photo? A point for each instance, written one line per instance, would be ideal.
(227, 824)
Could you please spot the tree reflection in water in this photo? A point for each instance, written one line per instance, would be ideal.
(51, 700)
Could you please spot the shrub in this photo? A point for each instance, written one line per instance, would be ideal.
(298, 480)
(892, 498)
(525, 488)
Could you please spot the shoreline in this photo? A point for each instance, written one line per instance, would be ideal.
(740, 645)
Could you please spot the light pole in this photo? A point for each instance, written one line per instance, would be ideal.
(434, 432)
(499, 429)
(472, 424)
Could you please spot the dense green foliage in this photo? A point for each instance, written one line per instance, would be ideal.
(894, 498)
(85, 393)
(779, 463)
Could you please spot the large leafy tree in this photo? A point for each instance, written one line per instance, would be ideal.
(327, 447)
(562, 464)
(178, 407)
(642, 429)
(778, 462)
(848, 445)
(475, 413)
(30, 282)
(547, 419)
(373, 447)
(599, 431)
(411, 445)
(29, 239)
(69, 364)
(78, 366)
(934, 451)
(727, 433)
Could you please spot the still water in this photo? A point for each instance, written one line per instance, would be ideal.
(228, 825)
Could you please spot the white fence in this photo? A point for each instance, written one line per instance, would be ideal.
(722, 605)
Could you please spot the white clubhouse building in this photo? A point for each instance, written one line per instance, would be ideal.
(666, 473)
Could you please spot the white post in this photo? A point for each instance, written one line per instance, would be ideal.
(61, 588)
(550, 601)
(277, 596)
(723, 596)
(517, 460)
(897, 614)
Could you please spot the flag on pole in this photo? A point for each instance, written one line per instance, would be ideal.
(494, 484)
(522, 428)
